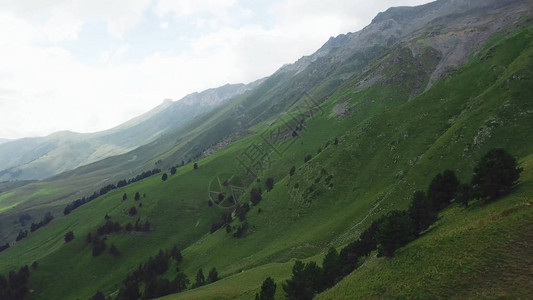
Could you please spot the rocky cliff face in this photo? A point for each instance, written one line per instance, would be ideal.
(452, 27)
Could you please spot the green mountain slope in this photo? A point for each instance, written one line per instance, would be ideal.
(393, 137)
(440, 37)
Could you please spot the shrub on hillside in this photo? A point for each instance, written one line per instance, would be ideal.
(132, 211)
(241, 230)
(255, 196)
(69, 236)
(269, 184)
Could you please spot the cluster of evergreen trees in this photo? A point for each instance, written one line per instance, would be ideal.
(139, 226)
(239, 233)
(268, 290)
(99, 244)
(310, 279)
(109, 227)
(15, 287)
(493, 177)
(47, 219)
(22, 234)
(224, 220)
(104, 190)
(240, 211)
(148, 274)
(34, 226)
(201, 280)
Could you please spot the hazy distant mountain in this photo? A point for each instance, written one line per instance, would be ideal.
(41, 157)
(3, 140)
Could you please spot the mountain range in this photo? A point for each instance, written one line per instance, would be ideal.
(39, 158)
(359, 126)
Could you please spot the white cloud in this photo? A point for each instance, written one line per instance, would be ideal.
(192, 7)
(46, 86)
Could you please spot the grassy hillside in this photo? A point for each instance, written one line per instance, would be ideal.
(476, 252)
(482, 252)
(385, 64)
(390, 144)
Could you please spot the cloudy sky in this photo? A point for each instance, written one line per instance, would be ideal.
(88, 65)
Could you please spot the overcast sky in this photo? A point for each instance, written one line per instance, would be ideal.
(88, 65)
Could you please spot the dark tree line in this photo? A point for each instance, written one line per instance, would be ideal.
(109, 227)
(15, 287)
(22, 234)
(139, 226)
(98, 241)
(104, 190)
(34, 226)
(47, 219)
(240, 211)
